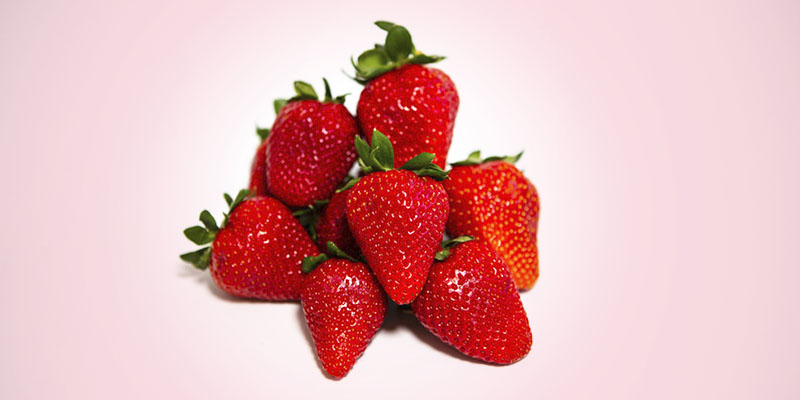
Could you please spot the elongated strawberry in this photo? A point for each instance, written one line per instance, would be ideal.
(258, 169)
(344, 307)
(258, 250)
(332, 226)
(413, 105)
(397, 216)
(310, 148)
(471, 303)
(492, 200)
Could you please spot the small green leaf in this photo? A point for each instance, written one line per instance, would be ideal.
(305, 91)
(362, 148)
(434, 171)
(419, 161)
(372, 60)
(328, 95)
(382, 152)
(278, 105)
(228, 199)
(335, 251)
(385, 25)
(198, 235)
(239, 198)
(208, 220)
(198, 258)
(348, 185)
(263, 133)
(311, 262)
(458, 240)
(421, 59)
(398, 43)
(509, 159)
(442, 255)
(473, 159)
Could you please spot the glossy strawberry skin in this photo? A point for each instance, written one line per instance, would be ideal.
(344, 307)
(309, 151)
(415, 107)
(332, 226)
(470, 302)
(258, 171)
(397, 219)
(494, 201)
(259, 251)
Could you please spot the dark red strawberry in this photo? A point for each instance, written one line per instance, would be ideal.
(397, 216)
(471, 303)
(415, 106)
(258, 250)
(258, 170)
(344, 308)
(332, 226)
(310, 148)
(492, 200)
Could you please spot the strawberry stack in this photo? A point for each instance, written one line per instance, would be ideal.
(344, 246)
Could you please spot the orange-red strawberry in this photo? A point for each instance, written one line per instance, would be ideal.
(472, 304)
(332, 226)
(413, 105)
(397, 216)
(344, 307)
(258, 250)
(310, 148)
(258, 169)
(492, 200)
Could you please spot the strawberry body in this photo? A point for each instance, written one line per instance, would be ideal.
(309, 151)
(258, 171)
(470, 302)
(397, 219)
(332, 226)
(344, 307)
(258, 253)
(493, 201)
(415, 107)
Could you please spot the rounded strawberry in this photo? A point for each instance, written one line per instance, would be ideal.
(258, 169)
(397, 216)
(471, 303)
(332, 226)
(257, 252)
(310, 148)
(492, 200)
(344, 307)
(413, 105)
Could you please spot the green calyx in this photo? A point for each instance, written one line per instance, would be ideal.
(312, 262)
(203, 235)
(447, 245)
(397, 50)
(308, 217)
(474, 158)
(262, 133)
(379, 156)
(304, 91)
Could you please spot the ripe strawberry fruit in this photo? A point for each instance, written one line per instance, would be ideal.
(491, 200)
(258, 250)
(397, 216)
(258, 170)
(332, 226)
(414, 105)
(310, 148)
(471, 303)
(344, 307)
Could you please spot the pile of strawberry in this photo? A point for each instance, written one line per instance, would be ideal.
(307, 230)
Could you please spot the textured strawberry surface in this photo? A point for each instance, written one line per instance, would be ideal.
(470, 302)
(309, 151)
(332, 226)
(259, 252)
(258, 171)
(397, 219)
(415, 107)
(344, 307)
(493, 201)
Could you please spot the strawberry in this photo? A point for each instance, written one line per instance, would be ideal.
(309, 150)
(344, 307)
(332, 226)
(397, 216)
(492, 200)
(258, 170)
(257, 251)
(414, 105)
(471, 303)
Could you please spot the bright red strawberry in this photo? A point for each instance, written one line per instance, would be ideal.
(310, 148)
(472, 304)
(258, 250)
(492, 200)
(332, 226)
(397, 216)
(258, 170)
(344, 308)
(415, 106)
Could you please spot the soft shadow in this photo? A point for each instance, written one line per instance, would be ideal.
(203, 278)
(301, 323)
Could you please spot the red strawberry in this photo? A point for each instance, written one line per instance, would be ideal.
(332, 226)
(491, 200)
(472, 304)
(415, 106)
(309, 150)
(258, 170)
(344, 308)
(397, 216)
(258, 250)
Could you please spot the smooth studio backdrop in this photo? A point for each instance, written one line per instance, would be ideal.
(662, 137)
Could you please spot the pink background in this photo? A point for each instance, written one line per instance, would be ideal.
(663, 139)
